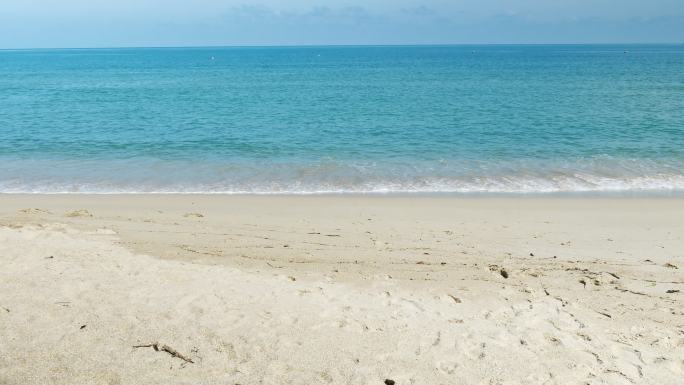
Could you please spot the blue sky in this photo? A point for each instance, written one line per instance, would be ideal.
(115, 23)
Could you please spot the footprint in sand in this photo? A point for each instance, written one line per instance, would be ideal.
(105, 231)
(34, 211)
(79, 214)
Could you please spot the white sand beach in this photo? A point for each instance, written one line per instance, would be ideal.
(340, 290)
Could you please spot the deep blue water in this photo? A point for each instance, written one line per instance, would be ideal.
(343, 119)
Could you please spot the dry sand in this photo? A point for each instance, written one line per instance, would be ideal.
(341, 290)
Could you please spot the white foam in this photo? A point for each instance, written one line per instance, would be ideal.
(593, 175)
(509, 185)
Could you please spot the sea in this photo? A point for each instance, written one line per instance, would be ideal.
(469, 119)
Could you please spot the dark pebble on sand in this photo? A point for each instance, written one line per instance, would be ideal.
(389, 382)
(504, 273)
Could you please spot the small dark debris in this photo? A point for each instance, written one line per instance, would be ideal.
(614, 275)
(583, 282)
(630, 291)
(531, 254)
(165, 348)
(503, 273)
(456, 299)
(420, 263)
(442, 263)
(83, 327)
(672, 291)
(50, 257)
(286, 245)
(389, 382)
(671, 266)
(605, 314)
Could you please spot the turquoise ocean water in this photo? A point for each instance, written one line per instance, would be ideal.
(518, 119)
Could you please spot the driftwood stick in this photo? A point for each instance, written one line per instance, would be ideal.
(165, 348)
(154, 345)
(175, 353)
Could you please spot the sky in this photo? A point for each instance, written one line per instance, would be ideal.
(156, 23)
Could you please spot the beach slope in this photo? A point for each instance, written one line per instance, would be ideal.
(192, 289)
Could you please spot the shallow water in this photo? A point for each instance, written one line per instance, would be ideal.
(515, 119)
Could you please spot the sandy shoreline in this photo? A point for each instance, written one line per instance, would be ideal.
(341, 289)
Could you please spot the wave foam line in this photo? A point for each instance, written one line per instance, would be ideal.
(578, 183)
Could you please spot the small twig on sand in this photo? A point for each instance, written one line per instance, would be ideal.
(614, 275)
(630, 291)
(605, 314)
(165, 348)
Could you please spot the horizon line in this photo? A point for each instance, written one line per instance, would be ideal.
(333, 45)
